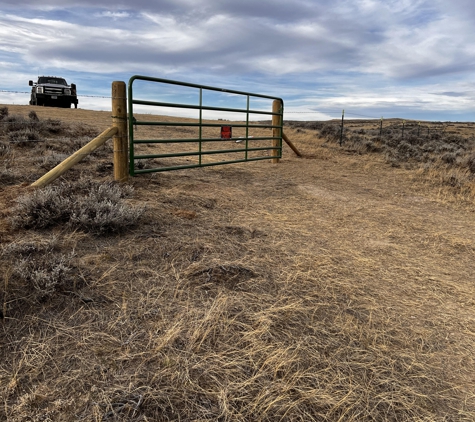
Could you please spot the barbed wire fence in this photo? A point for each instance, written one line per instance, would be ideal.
(327, 112)
(405, 123)
(79, 95)
(413, 126)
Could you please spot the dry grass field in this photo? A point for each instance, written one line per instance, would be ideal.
(335, 287)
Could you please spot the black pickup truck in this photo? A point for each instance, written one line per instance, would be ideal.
(54, 92)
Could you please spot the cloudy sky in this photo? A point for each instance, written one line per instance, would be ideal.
(413, 59)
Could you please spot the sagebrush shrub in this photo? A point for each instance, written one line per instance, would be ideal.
(87, 205)
(46, 273)
(471, 163)
(101, 210)
(7, 176)
(392, 160)
(33, 116)
(39, 266)
(101, 191)
(413, 139)
(331, 132)
(15, 124)
(42, 208)
(23, 248)
(449, 157)
(407, 150)
(445, 147)
(370, 146)
(9, 173)
(50, 161)
(452, 179)
(24, 135)
(52, 126)
(4, 149)
(75, 130)
(104, 216)
(3, 112)
(32, 124)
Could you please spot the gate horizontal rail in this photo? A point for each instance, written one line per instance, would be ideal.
(276, 114)
(145, 123)
(177, 141)
(209, 108)
(184, 154)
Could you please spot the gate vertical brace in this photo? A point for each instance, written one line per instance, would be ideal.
(276, 131)
(119, 120)
(130, 107)
(247, 130)
(201, 126)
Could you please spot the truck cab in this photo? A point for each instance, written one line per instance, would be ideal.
(54, 92)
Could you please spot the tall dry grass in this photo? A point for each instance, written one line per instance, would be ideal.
(443, 155)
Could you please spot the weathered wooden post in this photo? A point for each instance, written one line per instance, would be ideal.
(276, 132)
(119, 120)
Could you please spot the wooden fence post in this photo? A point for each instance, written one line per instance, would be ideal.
(119, 120)
(276, 132)
(342, 126)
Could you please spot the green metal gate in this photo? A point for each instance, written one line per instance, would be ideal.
(151, 148)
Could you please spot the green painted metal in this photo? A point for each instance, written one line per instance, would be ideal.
(200, 124)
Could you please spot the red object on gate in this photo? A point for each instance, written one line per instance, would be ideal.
(226, 132)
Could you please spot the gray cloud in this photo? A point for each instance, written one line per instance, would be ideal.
(237, 43)
(454, 94)
(307, 47)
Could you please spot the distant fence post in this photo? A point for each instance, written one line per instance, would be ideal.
(381, 129)
(276, 132)
(403, 124)
(342, 125)
(119, 120)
